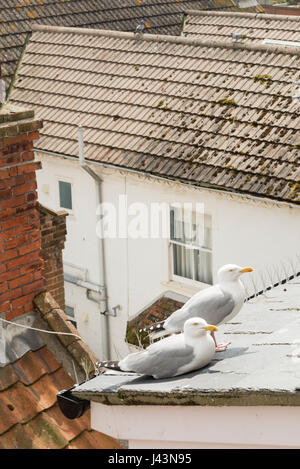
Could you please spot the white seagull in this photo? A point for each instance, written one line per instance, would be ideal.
(237, 36)
(217, 304)
(140, 27)
(175, 355)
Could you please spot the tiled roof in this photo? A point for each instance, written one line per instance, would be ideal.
(207, 113)
(58, 321)
(17, 18)
(159, 310)
(218, 25)
(29, 414)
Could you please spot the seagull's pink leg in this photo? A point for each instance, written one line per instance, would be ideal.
(220, 347)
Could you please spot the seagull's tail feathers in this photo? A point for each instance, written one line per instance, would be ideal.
(111, 364)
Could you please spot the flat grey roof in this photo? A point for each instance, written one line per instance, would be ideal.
(260, 367)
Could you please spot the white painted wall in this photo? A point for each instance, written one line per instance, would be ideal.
(247, 232)
(199, 426)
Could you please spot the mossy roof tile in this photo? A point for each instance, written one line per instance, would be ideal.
(29, 414)
(164, 16)
(166, 101)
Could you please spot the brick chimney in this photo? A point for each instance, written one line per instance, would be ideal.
(53, 230)
(21, 264)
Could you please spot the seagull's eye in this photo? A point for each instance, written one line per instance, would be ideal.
(195, 323)
(231, 270)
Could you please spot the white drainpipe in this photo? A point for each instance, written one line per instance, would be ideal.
(103, 303)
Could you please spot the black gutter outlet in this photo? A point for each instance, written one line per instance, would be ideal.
(72, 407)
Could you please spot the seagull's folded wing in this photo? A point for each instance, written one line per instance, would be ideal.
(161, 359)
(212, 304)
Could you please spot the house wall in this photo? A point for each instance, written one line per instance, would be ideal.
(228, 427)
(249, 232)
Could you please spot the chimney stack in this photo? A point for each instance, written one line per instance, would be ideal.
(21, 264)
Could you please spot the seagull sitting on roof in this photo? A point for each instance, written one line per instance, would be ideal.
(140, 27)
(175, 355)
(216, 304)
(238, 37)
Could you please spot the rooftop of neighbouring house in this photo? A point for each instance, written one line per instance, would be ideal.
(260, 367)
(31, 375)
(157, 311)
(41, 352)
(164, 16)
(208, 113)
(257, 27)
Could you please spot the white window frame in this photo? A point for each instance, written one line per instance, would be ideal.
(178, 278)
(69, 181)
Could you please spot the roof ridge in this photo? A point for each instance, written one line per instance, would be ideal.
(242, 15)
(168, 39)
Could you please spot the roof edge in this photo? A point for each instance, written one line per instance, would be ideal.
(58, 321)
(169, 39)
(245, 14)
(233, 397)
(219, 189)
(46, 210)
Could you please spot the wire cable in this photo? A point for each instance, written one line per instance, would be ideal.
(40, 330)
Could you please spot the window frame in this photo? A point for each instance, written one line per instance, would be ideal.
(193, 247)
(67, 181)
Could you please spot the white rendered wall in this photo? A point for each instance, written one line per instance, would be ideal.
(249, 233)
(199, 427)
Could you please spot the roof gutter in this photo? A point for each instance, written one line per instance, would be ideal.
(71, 406)
(103, 303)
(265, 200)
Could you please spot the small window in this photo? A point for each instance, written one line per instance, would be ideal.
(71, 315)
(65, 194)
(191, 255)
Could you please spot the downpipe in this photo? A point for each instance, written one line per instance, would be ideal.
(103, 304)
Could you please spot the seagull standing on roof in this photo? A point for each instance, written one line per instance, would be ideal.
(140, 27)
(174, 355)
(216, 304)
(238, 37)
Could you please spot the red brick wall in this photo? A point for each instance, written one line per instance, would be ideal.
(53, 229)
(21, 264)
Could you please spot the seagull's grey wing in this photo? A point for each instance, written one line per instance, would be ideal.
(160, 361)
(212, 304)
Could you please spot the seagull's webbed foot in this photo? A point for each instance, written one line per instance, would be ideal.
(222, 347)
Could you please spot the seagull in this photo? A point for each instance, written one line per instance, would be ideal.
(238, 36)
(140, 27)
(216, 304)
(175, 355)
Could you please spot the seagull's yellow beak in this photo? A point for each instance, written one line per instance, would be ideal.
(245, 270)
(209, 327)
